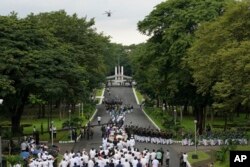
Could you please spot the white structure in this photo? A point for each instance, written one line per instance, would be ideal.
(119, 78)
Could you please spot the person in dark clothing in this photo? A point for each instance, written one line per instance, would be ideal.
(107, 164)
(162, 152)
(111, 164)
(181, 160)
(96, 165)
(119, 164)
(139, 164)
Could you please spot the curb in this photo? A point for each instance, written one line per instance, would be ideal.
(136, 98)
(101, 97)
(137, 101)
(157, 127)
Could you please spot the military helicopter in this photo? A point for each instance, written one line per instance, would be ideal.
(108, 13)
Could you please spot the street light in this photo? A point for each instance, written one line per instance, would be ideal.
(52, 133)
(70, 126)
(163, 107)
(195, 156)
(175, 115)
(1, 102)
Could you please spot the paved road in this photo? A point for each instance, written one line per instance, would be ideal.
(137, 118)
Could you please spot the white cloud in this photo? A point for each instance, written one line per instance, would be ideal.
(122, 25)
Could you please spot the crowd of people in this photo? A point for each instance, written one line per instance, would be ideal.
(149, 135)
(43, 154)
(216, 138)
(115, 157)
(118, 146)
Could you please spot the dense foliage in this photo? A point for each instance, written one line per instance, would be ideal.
(196, 55)
(47, 58)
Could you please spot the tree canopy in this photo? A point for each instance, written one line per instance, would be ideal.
(219, 58)
(51, 56)
(159, 68)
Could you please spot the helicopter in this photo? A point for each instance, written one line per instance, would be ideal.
(108, 13)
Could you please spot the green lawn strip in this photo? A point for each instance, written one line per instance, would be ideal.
(154, 114)
(139, 96)
(202, 156)
(220, 164)
(61, 135)
(98, 100)
(99, 92)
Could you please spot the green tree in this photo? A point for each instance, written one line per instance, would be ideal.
(219, 58)
(171, 26)
(51, 55)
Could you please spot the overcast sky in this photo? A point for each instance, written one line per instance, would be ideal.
(121, 26)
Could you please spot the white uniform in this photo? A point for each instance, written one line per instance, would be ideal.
(155, 163)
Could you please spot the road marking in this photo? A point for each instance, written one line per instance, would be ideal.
(137, 101)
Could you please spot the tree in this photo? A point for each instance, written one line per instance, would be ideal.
(51, 55)
(171, 26)
(219, 58)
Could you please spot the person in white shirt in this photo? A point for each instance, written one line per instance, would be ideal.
(155, 163)
(167, 158)
(32, 163)
(144, 162)
(85, 157)
(134, 162)
(153, 155)
(132, 143)
(72, 161)
(99, 120)
(63, 163)
(126, 163)
(50, 162)
(92, 153)
(91, 163)
(185, 156)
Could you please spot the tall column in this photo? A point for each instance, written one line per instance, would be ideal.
(119, 72)
(122, 73)
(115, 72)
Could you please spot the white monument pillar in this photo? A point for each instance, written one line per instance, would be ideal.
(122, 73)
(119, 72)
(115, 73)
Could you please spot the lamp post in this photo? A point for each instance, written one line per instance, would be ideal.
(195, 156)
(175, 115)
(52, 133)
(163, 107)
(70, 126)
(1, 102)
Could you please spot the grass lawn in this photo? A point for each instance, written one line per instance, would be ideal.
(99, 92)
(202, 156)
(139, 96)
(156, 115)
(34, 121)
(61, 135)
(226, 163)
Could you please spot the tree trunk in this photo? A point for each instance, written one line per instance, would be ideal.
(212, 115)
(199, 115)
(60, 111)
(200, 122)
(238, 109)
(185, 109)
(158, 102)
(181, 113)
(39, 111)
(43, 111)
(225, 125)
(16, 119)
